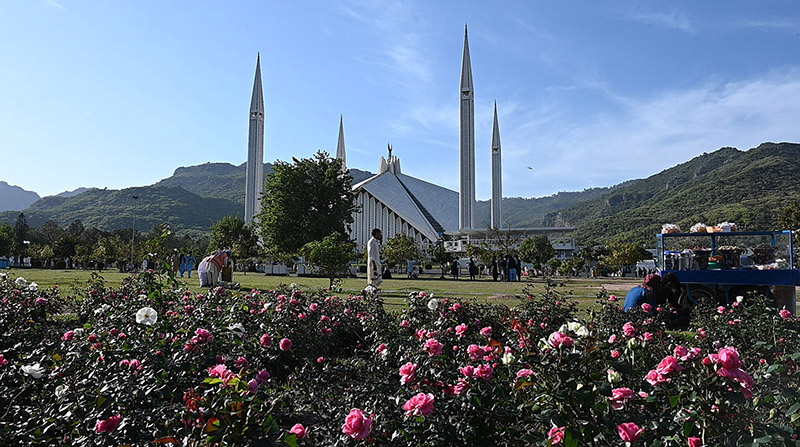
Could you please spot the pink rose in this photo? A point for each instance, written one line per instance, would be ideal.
(408, 373)
(262, 376)
(487, 331)
(612, 298)
(321, 359)
(729, 357)
(3, 361)
(461, 329)
(629, 431)
(681, 352)
(108, 425)
(785, 314)
(69, 335)
(485, 372)
(721, 309)
(668, 365)
(557, 339)
(695, 441)
(612, 339)
(524, 373)
(628, 329)
(647, 336)
(461, 386)
(404, 323)
(356, 425)
(556, 434)
(619, 396)
(468, 371)
(253, 385)
(382, 348)
(285, 344)
(419, 405)
(647, 307)
(313, 308)
(299, 431)
(203, 335)
(615, 354)
(475, 352)
(433, 347)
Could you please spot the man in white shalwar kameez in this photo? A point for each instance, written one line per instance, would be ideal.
(374, 277)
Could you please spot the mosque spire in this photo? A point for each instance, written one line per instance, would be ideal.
(466, 190)
(497, 176)
(340, 150)
(254, 179)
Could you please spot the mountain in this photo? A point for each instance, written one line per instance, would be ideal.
(744, 187)
(14, 198)
(74, 192)
(113, 209)
(224, 180)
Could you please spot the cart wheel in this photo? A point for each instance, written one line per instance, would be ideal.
(703, 296)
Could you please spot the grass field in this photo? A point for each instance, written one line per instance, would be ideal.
(394, 290)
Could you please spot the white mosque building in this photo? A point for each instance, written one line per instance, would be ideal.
(398, 203)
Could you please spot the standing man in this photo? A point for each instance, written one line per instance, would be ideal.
(374, 258)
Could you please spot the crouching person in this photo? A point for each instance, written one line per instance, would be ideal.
(215, 265)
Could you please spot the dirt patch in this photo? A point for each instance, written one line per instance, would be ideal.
(619, 287)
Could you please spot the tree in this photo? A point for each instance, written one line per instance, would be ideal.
(625, 253)
(232, 233)
(305, 201)
(483, 252)
(6, 238)
(20, 235)
(439, 255)
(400, 249)
(536, 250)
(50, 232)
(331, 255)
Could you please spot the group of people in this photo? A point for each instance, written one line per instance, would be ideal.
(507, 268)
(182, 263)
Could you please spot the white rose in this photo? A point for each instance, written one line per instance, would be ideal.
(508, 358)
(61, 390)
(21, 282)
(33, 287)
(236, 327)
(433, 304)
(146, 316)
(36, 371)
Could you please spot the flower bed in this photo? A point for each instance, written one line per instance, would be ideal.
(144, 363)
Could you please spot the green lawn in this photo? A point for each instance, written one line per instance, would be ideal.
(483, 289)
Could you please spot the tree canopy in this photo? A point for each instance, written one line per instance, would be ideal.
(536, 250)
(305, 201)
(232, 233)
(331, 255)
(400, 249)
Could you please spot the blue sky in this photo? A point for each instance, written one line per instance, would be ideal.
(118, 94)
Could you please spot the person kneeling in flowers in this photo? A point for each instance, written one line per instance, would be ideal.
(648, 293)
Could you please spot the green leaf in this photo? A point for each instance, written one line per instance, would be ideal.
(793, 409)
(673, 401)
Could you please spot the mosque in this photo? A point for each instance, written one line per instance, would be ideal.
(398, 203)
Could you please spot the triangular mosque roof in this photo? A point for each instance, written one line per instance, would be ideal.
(431, 209)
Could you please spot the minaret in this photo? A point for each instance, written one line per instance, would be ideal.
(254, 182)
(466, 191)
(340, 152)
(497, 176)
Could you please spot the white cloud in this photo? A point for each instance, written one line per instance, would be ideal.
(646, 136)
(673, 20)
(771, 24)
(54, 4)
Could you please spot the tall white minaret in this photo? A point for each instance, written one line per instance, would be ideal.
(466, 191)
(254, 181)
(497, 176)
(340, 151)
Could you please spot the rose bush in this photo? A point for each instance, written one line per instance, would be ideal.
(149, 362)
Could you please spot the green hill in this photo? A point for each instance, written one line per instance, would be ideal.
(114, 209)
(745, 187)
(224, 180)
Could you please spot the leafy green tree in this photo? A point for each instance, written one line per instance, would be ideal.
(536, 250)
(6, 238)
(232, 233)
(483, 252)
(441, 256)
(76, 228)
(625, 253)
(50, 232)
(21, 229)
(399, 249)
(331, 255)
(305, 201)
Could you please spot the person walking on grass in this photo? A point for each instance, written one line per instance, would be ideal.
(374, 277)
